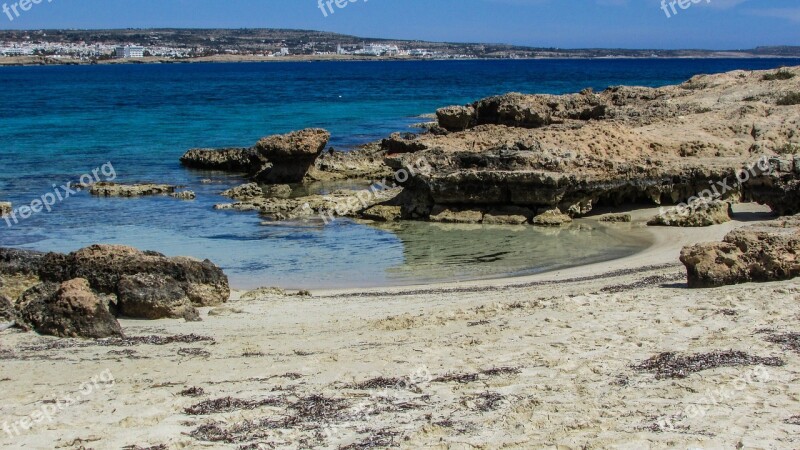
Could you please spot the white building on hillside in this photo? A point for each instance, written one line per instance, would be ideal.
(130, 51)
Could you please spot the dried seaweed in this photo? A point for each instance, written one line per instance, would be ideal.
(498, 371)
(381, 383)
(127, 353)
(789, 341)
(672, 365)
(228, 404)
(378, 439)
(136, 447)
(318, 407)
(478, 323)
(194, 352)
(644, 283)
(60, 344)
(192, 392)
(472, 377)
(794, 420)
(488, 401)
(313, 409)
(462, 378)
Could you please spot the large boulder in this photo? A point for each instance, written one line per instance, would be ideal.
(226, 159)
(290, 155)
(758, 253)
(73, 310)
(105, 265)
(154, 296)
(5, 208)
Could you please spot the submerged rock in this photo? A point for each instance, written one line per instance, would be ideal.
(244, 192)
(754, 253)
(454, 215)
(383, 213)
(616, 218)
(108, 189)
(73, 310)
(509, 215)
(278, 191)
(184, 195)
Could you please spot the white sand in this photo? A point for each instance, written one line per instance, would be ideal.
(573, 345)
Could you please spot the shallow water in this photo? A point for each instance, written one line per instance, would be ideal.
(57, 123)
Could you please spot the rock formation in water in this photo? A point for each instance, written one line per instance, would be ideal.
(109, 189)
(501, 159)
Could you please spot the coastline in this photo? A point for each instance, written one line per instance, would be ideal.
(542, 361)
(27, 61)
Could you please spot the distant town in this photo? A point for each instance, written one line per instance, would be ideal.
(164, 45)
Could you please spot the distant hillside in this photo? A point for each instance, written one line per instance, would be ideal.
(209, 42)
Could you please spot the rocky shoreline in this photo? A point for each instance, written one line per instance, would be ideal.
(515, 159)
(521, 158)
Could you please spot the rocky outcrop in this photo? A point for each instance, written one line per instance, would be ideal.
(778, 187)
(73, 310)
(108, 189)
(758, 253)
(699, 213)
(290, 156)
(623, 145)
(104, 267)
(534, 111)
(226, 159)
(154, 296)
(5, 208)
(365, 163)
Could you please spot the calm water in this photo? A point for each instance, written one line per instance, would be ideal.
(57, 123)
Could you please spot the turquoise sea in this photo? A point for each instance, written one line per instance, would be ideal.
(59, 122)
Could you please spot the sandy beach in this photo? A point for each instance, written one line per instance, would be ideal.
(536, 362)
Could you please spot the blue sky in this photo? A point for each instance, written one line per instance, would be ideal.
(710, 24)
